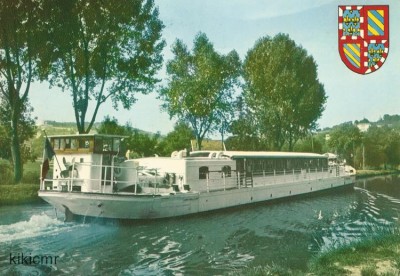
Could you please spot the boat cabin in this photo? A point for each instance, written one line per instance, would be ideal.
(86, 159)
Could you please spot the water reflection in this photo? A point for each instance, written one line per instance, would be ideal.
(286, 233)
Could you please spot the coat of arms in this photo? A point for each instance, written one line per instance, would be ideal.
(363, 37)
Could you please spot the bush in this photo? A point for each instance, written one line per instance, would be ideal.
(31, 177)
(6, 172)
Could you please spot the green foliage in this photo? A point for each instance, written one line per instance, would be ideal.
(20, 42)
(6, 172)
(311, 143)
(200, 86)
(5, 152)
(344, 140)
(377, 147)
(390, 120)
(100, 50)
(143, 145)
(110, 126)
(19, 194)
(139, 144)
(381, 147)
(31, 177)
(246, 135)
(282, 91)
(177, 139)
(26, 129)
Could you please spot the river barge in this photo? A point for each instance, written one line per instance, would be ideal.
(91, 176)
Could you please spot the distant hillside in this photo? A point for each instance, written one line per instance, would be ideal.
(391, 121)
(60, 128)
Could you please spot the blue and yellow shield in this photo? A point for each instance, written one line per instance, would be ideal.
(363, 37)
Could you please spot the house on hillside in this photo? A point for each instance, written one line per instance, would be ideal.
(363, 127)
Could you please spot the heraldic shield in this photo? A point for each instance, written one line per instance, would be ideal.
(363, 37)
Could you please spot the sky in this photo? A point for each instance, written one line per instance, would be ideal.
(236, 25)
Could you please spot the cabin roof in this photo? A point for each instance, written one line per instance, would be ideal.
(271, 154)
(262, 154)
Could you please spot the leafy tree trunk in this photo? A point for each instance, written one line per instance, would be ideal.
(199, 141)
(15, 147)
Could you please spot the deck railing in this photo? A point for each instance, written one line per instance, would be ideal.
(141, 180)
(110, 179)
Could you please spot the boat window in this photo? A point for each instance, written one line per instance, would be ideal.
(74, 144)
(116, 143)
(56, 144)
(269, 165)
(107, 145)
(200, 154)
(203, 171)
(258, 165)
(67, 143)
(98, 145)
(62, 144)
(279, 165)
(227, 171)
(84, 143)
(289, 165)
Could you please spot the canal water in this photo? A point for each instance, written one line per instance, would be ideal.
(287, 233)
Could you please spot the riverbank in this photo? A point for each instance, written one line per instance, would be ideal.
(19, 194)
(369, 173)
(377, 255)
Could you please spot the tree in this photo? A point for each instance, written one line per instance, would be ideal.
(177, 139)
(200, 86)
(26, 129)
(311, 143)
(381, 147)
(246, 134)
(282, 90)
(100, 50)
(143, 144)
(110, 126)
(344, 141)
(20, 41)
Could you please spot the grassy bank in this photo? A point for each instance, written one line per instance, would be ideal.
(378, 255)
(19, 194)
(373, 255)
(370, 173)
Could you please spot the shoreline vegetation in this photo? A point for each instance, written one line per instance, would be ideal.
(370, 173)
(18, 194)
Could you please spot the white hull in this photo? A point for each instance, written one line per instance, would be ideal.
(145, 206)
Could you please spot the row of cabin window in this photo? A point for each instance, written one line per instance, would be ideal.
(288, 164)
(100, 144)
(70, 143)
(203, 172)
